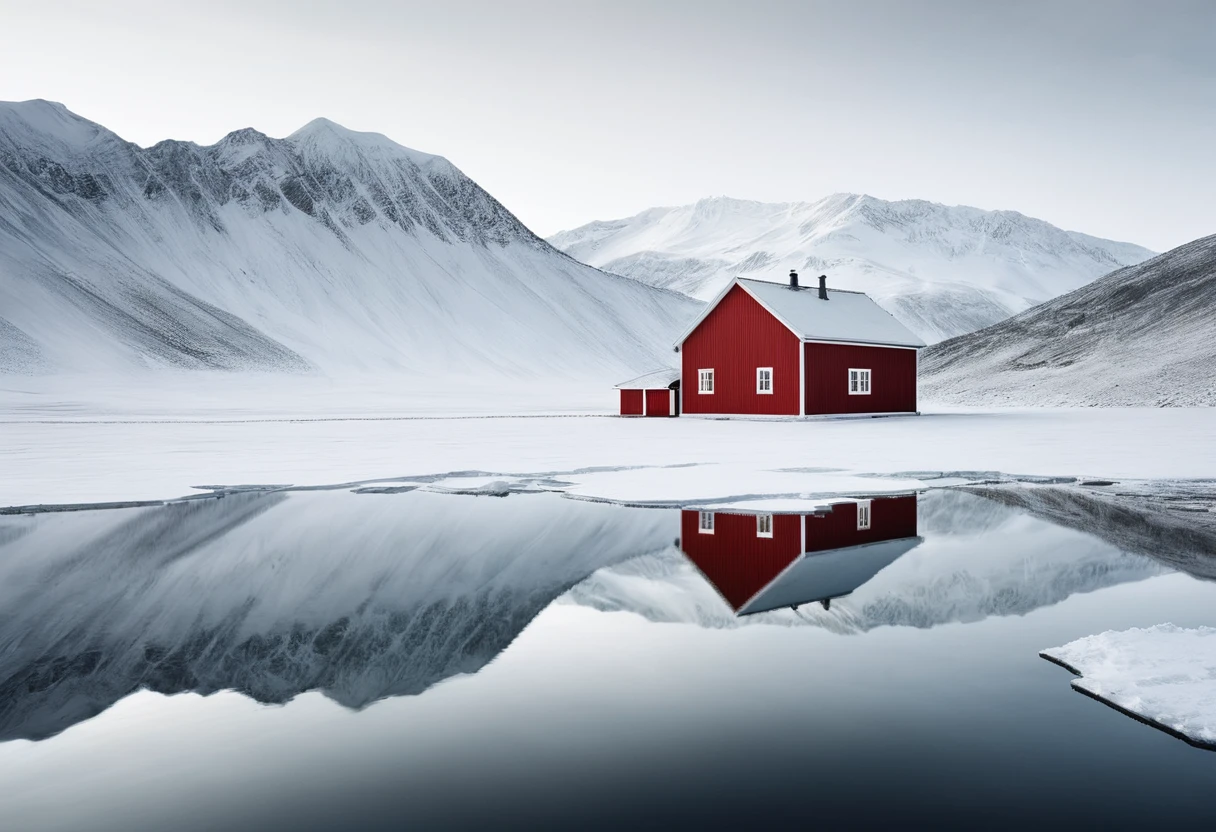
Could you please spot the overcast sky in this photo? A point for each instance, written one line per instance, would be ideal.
(1096, 116)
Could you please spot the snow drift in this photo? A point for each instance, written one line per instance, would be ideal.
(330, 250)
(1142, 335)
(943, 271)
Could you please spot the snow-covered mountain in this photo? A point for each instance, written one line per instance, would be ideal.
(329, 249)
(942, 270)
(1143, 335)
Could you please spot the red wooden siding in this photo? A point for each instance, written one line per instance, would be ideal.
(891, 518)
(738, 336)
(658, 402)
(631, 402)
(734, 560)
(892, 380)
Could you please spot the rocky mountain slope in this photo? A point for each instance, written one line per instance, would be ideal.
(328, 250)
(1142, 335)
(942, 270)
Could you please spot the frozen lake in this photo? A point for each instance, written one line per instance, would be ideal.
(332, 659)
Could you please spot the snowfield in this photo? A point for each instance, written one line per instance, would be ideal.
(1164, 675)
(942, 270)
(599, 456)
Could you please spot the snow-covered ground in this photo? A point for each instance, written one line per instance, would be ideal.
(942, 270)
(611, 457)
(1164, 675)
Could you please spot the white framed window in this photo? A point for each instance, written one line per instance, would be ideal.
(863, 515)
(859, 382)
(764, 380)
(764, 525)
(705, 381)
(705, 523)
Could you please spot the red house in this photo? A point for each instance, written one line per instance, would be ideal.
(655, 394)
(760, 562)
(771, 349)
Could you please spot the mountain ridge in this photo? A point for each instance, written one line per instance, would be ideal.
(943, 270)
(329, 250)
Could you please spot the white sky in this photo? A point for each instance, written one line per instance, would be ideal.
(1096, 116)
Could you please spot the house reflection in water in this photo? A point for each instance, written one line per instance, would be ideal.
(760, 562)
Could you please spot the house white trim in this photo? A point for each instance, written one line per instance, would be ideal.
(713, 304)
(814, 417)
(764, 375)
(764, 525)
(864, 515)
(709, 307)
(802, 379)
(704, 373)
(768, 309)
(864, 378)
(861, 344)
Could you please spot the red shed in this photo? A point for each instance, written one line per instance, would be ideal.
(655, 394)
(760, 562)
(771, 349)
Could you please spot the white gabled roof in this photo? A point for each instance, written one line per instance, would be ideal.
(816, 576)
(845, 316)
(654, 380)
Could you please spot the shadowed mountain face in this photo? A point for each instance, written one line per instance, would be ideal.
(328, 249)
(359, 596)
(1143, 335)
(942, 270)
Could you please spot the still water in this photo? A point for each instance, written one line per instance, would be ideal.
(331, 660)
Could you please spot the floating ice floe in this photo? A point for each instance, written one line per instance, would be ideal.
(1163, 675)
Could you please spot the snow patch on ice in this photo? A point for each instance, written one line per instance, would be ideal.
(1163, 675)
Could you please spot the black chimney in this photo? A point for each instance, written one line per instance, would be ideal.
(823, 287)
(793, 279)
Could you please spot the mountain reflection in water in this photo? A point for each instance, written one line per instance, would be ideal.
(357, 596)
(368, 596)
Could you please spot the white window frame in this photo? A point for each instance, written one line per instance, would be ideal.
(764, 525)
(864, 515)
(705, 522)
(703, 376)
(760, 379)
(859, 381)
